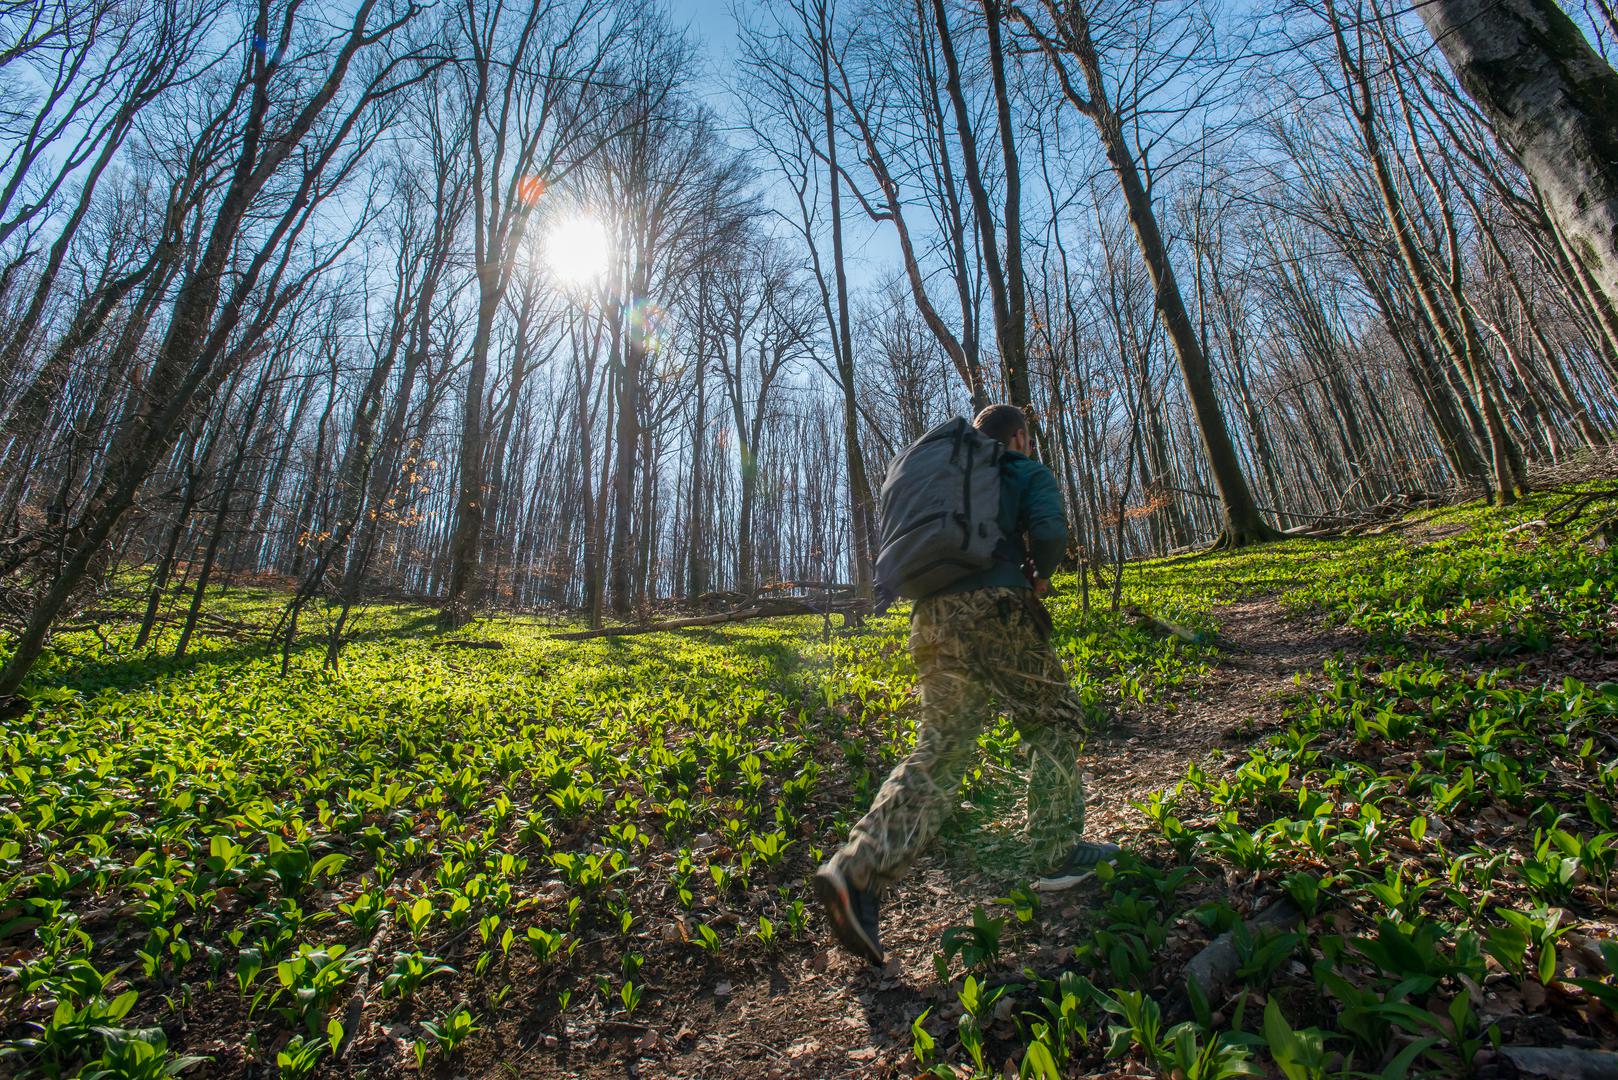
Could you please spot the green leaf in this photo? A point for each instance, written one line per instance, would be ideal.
(1399, 1066)
(119, 1007)
(1201, 1009)
(921, 1041)
(328, 864)
(1605, 993)
(1038, 1063)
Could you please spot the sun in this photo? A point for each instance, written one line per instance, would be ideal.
(578, 249)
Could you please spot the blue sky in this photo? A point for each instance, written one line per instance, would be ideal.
(711, 25)
(873, 250)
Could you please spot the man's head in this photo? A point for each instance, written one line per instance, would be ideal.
(1006, 424)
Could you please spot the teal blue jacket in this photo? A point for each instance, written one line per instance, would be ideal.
(1032, 523)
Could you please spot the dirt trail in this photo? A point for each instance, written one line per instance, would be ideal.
(821, 1014)
(1262, 648)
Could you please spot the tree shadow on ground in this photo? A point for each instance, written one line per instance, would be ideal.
(783, 656)
(134, 670)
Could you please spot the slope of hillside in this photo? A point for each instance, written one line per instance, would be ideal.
(1377, 774)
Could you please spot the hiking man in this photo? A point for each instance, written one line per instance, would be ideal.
(977, 639)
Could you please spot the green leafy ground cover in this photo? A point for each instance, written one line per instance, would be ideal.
(439, 857)
(1439, 811)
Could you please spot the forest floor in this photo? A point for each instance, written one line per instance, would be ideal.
(1367, 800)
(829, 1015)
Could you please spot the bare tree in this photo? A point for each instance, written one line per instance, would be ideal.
(765, 323)
(532, 115)
(1065, 39)
(796, 123)
(1551, 98)
(272, 119)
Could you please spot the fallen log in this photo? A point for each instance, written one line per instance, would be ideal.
(768, 609)
(658, 627)
(714, 599)
(812, 586)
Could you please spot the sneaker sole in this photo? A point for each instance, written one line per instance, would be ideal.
(1062, 883)
(832, 892)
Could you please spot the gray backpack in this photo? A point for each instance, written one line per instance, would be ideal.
(940, 509)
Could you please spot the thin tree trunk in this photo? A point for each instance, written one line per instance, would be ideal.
(221, 516)
(861, 511)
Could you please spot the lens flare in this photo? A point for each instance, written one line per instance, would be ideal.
(578, 250)
(646, 324)
(530, 189)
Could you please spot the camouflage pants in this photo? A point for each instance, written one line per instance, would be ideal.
(971, 649)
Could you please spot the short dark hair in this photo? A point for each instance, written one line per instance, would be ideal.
(1001, 422)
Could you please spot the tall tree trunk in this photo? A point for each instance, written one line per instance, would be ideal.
(1460, 342)
(953, 217)
(861, 511)
(1554, 102)
(696, 575)
(1242, 522)
(165, 562)
(221, 516)
(1013, 335)
(466, 542)
(620, 570)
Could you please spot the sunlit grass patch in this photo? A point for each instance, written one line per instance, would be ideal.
(1471, 569)
(446, 817)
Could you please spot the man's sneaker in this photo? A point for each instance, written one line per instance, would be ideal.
(1080, 863)
(852, 913)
